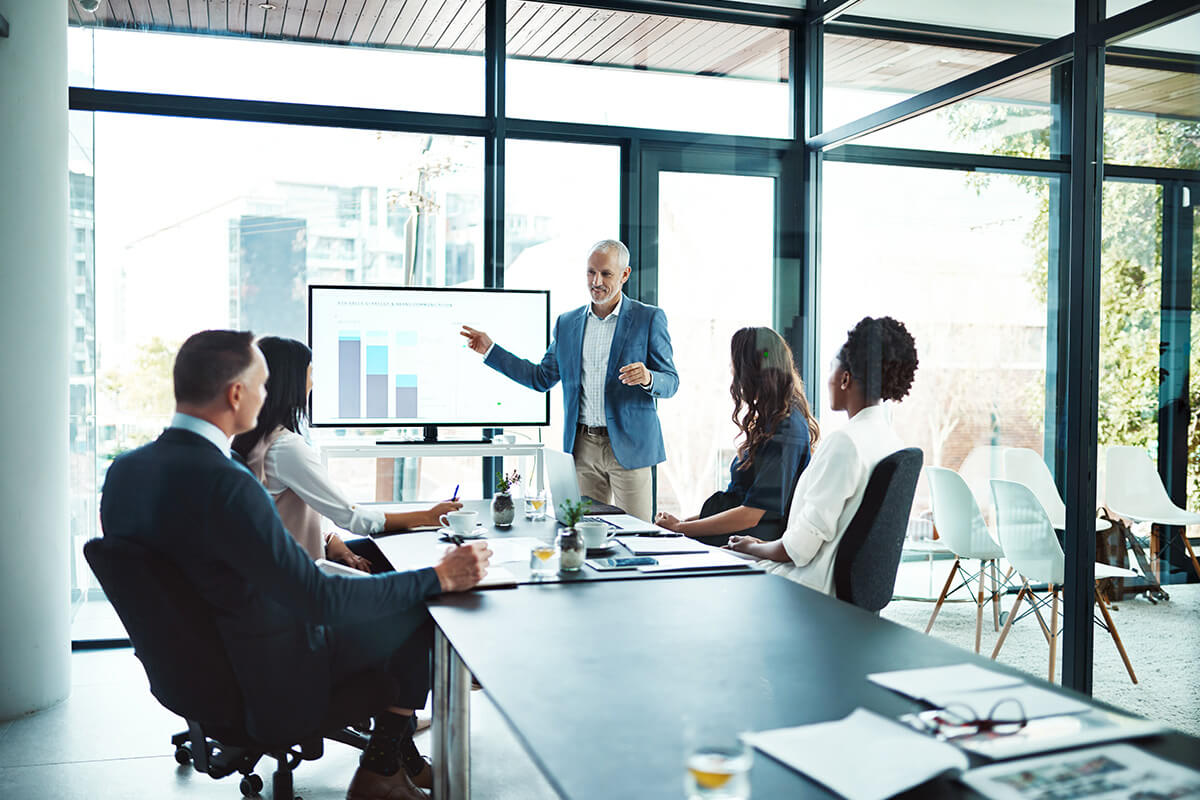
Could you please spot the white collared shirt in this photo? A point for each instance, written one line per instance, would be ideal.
(828, 495)
(204, 428)
(597, 342)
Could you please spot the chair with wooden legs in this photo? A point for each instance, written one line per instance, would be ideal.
(1026, 466)
(960, 525)
(1134, 490)
(1030, 545)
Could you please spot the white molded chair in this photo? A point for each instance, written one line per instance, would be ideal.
(984, 462)
(1032, 548)
(1025, 466)
(960, 525)
(1135, 491)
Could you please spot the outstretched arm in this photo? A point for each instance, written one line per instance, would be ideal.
(660, 358)
(539, 377)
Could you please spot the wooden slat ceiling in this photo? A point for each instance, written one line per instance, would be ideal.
(551, 32)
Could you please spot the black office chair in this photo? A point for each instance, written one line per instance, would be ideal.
(173, 634)
(864, 570)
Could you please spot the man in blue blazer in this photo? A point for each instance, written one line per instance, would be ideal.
(291, 633)
(613, 357)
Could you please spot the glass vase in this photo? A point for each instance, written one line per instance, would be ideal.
(571, 550)
(503, 510)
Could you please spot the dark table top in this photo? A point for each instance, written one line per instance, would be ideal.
(423, 548)
(597, 678)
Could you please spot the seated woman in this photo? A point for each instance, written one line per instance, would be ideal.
(876, 363)
(777, 433)
(292, 472)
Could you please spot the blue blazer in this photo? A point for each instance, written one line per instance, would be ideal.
(182, 498)
(633, 427)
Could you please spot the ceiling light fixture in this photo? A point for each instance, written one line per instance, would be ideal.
(267, 6)
(89, 6)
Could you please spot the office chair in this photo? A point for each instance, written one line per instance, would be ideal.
(864, 570)
(173, 635)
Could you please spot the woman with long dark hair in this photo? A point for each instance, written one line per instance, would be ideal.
(776, 431)
(292, 472)
(877, 363)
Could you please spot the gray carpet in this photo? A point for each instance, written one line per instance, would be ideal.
(1163, 643)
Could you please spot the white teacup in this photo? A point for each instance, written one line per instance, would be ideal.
(459, 521)
(595, 534)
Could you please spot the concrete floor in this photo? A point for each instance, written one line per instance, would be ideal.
(111, 739)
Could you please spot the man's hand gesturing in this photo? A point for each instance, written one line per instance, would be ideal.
(462, 567)
(476, 340)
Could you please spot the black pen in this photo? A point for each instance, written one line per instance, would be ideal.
(453, 538)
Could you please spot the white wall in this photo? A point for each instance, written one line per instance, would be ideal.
(35, 639)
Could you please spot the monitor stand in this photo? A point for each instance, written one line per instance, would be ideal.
(431, 437)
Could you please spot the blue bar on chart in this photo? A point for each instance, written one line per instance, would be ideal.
(377, 375)
(349, 374)
(406, 396)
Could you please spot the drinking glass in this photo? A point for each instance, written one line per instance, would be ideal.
(717, 767)
(541, 560)
(535, 505)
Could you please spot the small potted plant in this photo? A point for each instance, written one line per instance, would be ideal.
(502, 502)
(571, 548)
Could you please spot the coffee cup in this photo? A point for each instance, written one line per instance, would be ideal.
(459, 521)
(595, 534)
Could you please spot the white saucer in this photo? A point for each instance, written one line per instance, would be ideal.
(478, 533)
(604, 548)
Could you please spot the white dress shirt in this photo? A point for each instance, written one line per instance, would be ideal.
(828, 495)
(292, 472)
(597, 343)
(204, 428)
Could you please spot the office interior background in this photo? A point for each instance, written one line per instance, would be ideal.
(1017, 182)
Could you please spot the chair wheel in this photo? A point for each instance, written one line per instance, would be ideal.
(183, 756)
(251, 785)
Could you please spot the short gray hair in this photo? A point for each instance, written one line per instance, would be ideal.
(607, 246)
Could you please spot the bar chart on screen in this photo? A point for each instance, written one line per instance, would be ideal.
(394, 356)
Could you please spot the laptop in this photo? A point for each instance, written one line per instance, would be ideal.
(564, 485)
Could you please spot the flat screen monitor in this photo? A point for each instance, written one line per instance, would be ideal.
(389, 356)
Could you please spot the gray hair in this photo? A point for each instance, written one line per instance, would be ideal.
(607, 246)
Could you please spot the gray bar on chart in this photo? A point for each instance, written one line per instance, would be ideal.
(349, 373)
(377, 407)
(406, 402)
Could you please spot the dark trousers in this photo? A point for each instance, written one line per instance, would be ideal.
(398, 646)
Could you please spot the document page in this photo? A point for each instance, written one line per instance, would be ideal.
(862, 757)
(926, 682)
(1115, 772)
(662, 545)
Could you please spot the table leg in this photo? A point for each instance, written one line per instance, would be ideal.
(451, 721)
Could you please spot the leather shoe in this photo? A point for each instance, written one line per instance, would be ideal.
(368, 785)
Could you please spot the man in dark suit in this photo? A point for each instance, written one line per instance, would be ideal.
(614, 359)
(291, 633)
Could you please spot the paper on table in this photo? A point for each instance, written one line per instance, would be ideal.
(713, 560)
(926, 682)
(1115, 772)
(834, 754)
(496, 578)
(662, 545)
(1036, 701)
(515, 548)
(338, 568)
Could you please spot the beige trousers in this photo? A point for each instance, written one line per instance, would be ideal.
(602, 478)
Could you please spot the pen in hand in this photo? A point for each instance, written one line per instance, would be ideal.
(454, 497)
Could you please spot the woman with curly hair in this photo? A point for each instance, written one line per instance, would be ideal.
(777, 432)
(876, 363)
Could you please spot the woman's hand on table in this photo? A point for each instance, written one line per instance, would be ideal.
(668, 521)
(742, 544)
(336, 550)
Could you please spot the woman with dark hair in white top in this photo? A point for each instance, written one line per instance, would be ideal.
(877, 362)
(292, 472)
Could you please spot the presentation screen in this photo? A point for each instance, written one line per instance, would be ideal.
(393, 356)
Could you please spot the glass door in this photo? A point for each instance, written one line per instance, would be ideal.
(709, 259)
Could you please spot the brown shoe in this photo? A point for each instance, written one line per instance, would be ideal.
(368, 785)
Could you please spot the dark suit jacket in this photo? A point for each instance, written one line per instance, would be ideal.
(181, 497)
(632, 420)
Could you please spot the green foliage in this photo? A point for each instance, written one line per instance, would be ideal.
(1130, 260)
(570, 513)
(506, 482)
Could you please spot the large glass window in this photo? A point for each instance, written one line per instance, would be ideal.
(961, 259)
(575, 64)
(716, 257)
(398, 54)
(559, 199)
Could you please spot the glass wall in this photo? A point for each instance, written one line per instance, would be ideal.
(575, 64)
(560, 198)
(961, 259)
(397, 59)
(716, 257)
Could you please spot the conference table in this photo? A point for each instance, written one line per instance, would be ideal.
(597, 678)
